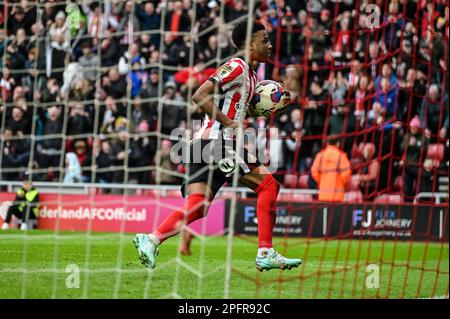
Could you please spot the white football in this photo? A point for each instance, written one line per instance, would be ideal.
(270, 96)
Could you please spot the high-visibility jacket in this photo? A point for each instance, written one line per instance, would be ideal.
(26, 199)
(331, 171)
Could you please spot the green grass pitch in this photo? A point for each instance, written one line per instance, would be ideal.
(34, 266)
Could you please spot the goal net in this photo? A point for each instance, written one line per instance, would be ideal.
(96, 108)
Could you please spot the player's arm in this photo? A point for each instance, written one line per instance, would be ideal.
(203, 97)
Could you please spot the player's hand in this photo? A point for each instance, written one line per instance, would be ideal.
(232, 124)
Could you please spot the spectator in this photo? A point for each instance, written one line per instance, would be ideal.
(315, 110)
(138, 78)
(16, 154)
(121, 151)
(129, 58)
(114, 84)
(79, 121)
(128, 23)
(173, 112)
(109, 51)
(51, 90)
(432, 115)
(296, 155)
(369, 171)
(177, 19)
(163, 161)
(59, 26)
(73, 169)
(147, 145)
(56, 55)
(48, 150)
(113, 111)
(362, 97)
(234, 12)
(331, 171)
(151, 89)
(34, 78)
(19, 122)
(387, 98)
(415, 148)
(25, 207)
(102, 161)
(386, 73)
(147, 46)
(88, 62)
(148, 17)
(84, 158)
(6, 84)
(97, 19)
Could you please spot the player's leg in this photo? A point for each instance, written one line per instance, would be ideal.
(197, 203)
(196, 207)
(12, 210)
(264, 184)
(185, 247)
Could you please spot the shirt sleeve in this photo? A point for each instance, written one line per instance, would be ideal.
(229, 75)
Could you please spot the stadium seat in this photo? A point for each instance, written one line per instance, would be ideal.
(302, 197)
(399, 183)
(226, 195)
(353, 197)
(173, 193)
(149, 193)
(389, 199)
(303, 181)
(436, 152)
(292, 197)
(290, 181)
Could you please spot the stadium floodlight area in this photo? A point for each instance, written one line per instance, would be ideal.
(379, 243)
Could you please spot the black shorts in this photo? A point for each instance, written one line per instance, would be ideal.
(214, 162)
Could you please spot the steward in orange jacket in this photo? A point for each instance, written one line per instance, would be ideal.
(331, 171)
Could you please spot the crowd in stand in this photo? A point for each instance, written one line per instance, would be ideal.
(95, 96)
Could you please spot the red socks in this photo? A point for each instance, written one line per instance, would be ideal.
(197, 207)
(266, 210)
(194, 209)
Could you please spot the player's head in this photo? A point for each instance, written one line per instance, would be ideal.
(27, 185)
(260, 46)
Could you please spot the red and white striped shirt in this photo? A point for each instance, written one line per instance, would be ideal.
(236, 83)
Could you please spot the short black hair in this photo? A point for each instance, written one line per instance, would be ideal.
(333, 139)
(240, 32)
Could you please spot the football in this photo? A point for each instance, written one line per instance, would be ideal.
(270, 96)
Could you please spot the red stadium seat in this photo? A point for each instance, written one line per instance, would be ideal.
(226, 195)
(290, 181)
(303, 181)
(353, 197)
(302, 197)
(149, 193)
(436, 152)
(292, 197)
(389, 199)
(173, 193)
(398, 184)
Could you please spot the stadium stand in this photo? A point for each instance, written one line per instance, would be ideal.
(94, 91)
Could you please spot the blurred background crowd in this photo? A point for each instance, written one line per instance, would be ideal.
(98, 101)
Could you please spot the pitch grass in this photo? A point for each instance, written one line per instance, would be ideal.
(34, 266)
